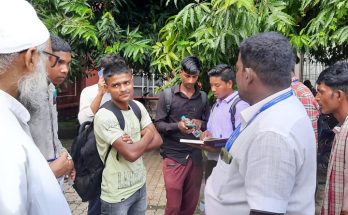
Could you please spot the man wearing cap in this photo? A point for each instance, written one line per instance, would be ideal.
(27, 186)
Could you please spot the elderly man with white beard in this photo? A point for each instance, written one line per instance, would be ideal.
(27, 184)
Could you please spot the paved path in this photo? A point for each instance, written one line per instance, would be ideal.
(155, 188)
(154, 184)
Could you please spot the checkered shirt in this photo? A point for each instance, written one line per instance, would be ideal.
(306, 97)
(334, 188)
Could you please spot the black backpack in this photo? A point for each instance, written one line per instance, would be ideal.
(232, 110)
(88, 165)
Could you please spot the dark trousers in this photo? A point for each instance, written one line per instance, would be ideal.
(182, 183)
(209, 166)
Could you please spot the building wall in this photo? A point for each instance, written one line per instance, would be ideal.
(69, 93)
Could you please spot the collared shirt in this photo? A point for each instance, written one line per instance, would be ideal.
(219, 123)
(274, 163)
(28, 185)
(192, 108)
(311, 105)
(88, 94)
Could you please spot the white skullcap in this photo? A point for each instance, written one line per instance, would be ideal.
(20, 27)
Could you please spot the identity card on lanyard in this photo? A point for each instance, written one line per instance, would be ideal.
(224, 154)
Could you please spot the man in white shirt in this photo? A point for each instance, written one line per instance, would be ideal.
(27, 185)
(92, 97)
(269, 163)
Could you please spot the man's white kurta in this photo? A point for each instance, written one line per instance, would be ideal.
(27, 184)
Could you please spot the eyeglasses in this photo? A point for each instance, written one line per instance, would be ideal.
(55, 57)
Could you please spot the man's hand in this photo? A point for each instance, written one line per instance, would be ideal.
(183, 129)
(210, 148)
(344, 213)
(73, 174)
(127, 139)
(101, 86)
(198, 123)
(62, 165)
(145, 131)
(205, 134)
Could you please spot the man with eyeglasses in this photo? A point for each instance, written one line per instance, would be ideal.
(27, 185)
(44, 123)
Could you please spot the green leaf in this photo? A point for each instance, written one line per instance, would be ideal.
(192, 17)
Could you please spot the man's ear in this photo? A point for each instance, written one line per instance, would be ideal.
(31, 58)
(249, 75)
(341, 96)
(229, 83)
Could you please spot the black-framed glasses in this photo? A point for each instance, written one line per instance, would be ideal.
(56, 58)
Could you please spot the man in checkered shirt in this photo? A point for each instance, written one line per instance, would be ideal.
(332, 97)
(305, 95)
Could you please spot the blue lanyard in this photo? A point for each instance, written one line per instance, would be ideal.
(269, 104)
(295, 81)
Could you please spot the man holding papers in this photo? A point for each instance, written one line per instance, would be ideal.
(225, 113)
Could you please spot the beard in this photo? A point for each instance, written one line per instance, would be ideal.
(33, 87)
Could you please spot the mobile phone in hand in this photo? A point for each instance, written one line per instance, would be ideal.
(101, 73)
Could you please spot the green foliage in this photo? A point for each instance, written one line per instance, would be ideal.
(155, 35)
(327, 29)
(212, 31)
(94, 28)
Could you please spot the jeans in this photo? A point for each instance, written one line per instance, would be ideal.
(94, 206)
(135, 205)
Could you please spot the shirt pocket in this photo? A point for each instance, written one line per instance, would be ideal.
(221, 177)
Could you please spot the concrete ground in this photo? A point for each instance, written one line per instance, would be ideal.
(155, 188)
(154, 185)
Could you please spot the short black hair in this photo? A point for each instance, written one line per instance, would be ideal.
(271, 56)
(308, 83)
(335, 77)
(191, 65)
(224, 71)
(59, 45)
(109, 59)
(116, 67)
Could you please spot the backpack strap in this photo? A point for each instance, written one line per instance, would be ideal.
(204, 98)
(107, 155)
(135, 109)
(117, 112)
(212, 108)
(168, 97)
(232, 111)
